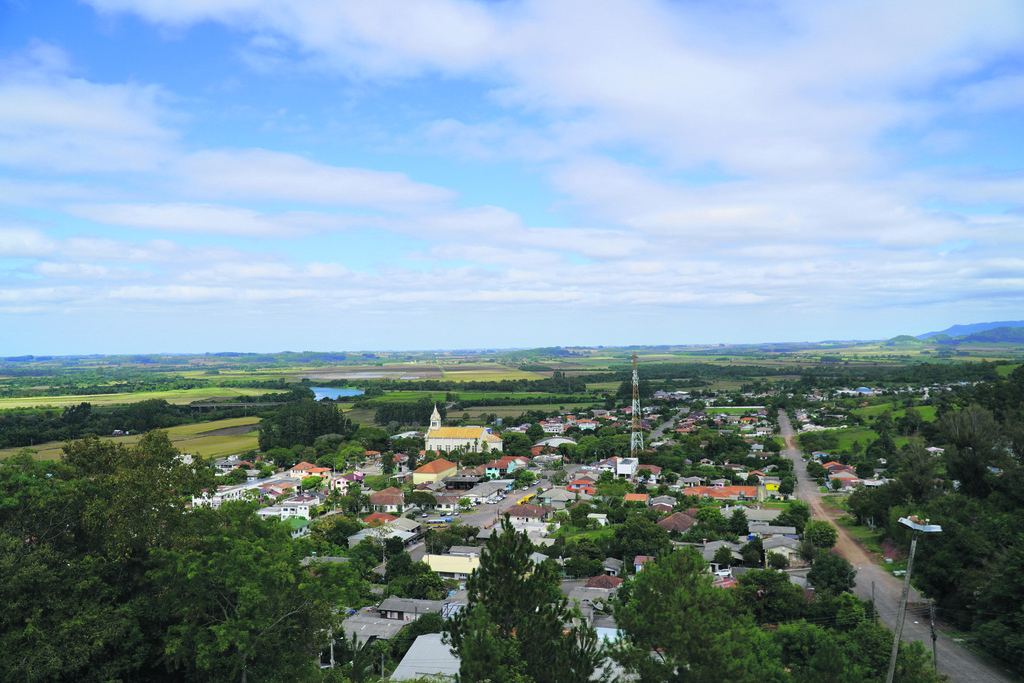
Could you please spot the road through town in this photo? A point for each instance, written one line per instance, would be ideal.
(959, 663)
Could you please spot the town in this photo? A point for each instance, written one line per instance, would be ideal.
(774, 499)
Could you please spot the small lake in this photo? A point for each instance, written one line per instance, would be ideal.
(332, 393)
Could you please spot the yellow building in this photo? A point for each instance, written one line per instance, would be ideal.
(468, 439)
(452, 566)
(434, 471)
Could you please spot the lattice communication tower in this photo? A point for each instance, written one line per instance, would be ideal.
(636, 437)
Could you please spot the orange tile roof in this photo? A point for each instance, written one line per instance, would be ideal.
(436, 467)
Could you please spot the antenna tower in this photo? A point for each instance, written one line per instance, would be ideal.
(636, 437)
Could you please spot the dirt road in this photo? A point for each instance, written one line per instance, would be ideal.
(957, 662)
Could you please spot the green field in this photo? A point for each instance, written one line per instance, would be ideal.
(195, 439)
(927, 412)
(864, 435)
(177, 396)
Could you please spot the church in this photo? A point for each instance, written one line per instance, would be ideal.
(468, 439)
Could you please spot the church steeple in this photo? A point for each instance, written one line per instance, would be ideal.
(435, 419)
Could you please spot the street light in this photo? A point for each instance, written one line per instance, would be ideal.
(914, 523)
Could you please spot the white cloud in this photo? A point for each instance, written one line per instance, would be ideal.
(17, 242)
(53, 122)
(89, 271)
(212, 219)
(266, 175)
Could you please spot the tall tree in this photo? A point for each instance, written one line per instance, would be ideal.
(241, 604)
(678, 628)
(515, 613)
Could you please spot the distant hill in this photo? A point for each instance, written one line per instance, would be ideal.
(1006, 335)
(961, 330)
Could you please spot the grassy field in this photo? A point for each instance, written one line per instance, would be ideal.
(864, 435)
(195, 439)
(177, 397)
(927, 412)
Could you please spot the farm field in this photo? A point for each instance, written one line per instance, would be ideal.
(196, 439)
(177, 397)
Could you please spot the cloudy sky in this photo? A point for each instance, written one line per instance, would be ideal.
(266, 175)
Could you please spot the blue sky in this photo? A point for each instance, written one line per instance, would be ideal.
(266, 175)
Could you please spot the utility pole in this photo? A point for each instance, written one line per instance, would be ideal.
(935, 637)
(914, 523)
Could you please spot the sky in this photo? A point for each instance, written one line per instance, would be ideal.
(271, 175)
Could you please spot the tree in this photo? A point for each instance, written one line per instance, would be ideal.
(796, 515)
(515, 444)
(777, 560)
(246, 604)
(738, 523)
(821, 534)
(238, 475)
(421, 499)
(516, 624)
(771, 597)
(534, 433)
(311, 483)
(831, 573)
(677, 627)
(640, 536)
(723, 557)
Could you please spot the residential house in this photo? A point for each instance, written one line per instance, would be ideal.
(626, 468)
(680, 521)
(636, 498)
(604, 581)
(452, 566)
(785, 546)
(408, 609)
(378, 518)
(612, 566)
(522, 514)
(640, 560)
(557, 498)
(582, 486)
(388, 500)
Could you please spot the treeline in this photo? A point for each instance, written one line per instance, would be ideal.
(557, 383)
(300, 424)
(519, 401)
(417, 413)
(105, 382)
(21, 428)
(696, 371)
(24, 427)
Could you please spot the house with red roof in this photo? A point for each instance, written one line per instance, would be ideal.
(388, 500)
(378, 518)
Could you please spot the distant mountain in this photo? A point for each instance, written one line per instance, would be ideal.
(961, 330)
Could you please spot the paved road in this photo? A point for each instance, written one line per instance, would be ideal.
(957, 662)
(660, 429)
